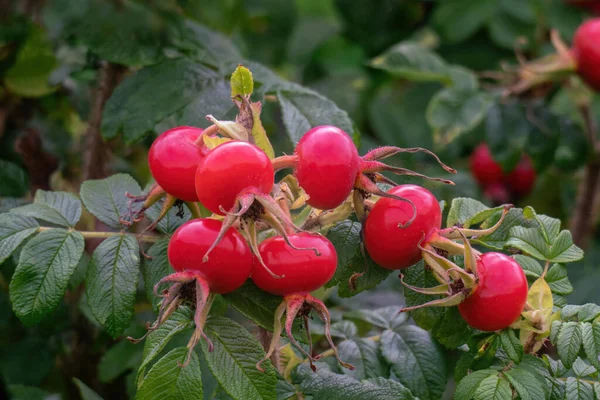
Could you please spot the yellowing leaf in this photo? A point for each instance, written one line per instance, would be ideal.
(289, 360)
(540, 298)
(258, 131)
(213, 141)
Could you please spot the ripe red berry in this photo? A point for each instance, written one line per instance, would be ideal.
(230, 169)
(484, 168)
(327, 166)
(230, 263)
(522, 179)
(500, 295)
(587, 52)
(394, 247)
(303, 270)
(173, 159)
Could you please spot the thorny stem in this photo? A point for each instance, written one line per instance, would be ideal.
(106, 235)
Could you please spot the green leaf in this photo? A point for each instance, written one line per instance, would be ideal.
(134, 109)
(344, 329)
(454, 111)
(85, 392)
(466, 388)
(171, 221)
(21, 392)
(166, 380)
(493, 388)
(118, 359)
(467, 212)
(498, 239)
(156, 268)
(460, 19)
(577, 389)
(584, 313)
(451, 330)
(254, 303)
(364, 355)
(285, 390)
(106, 199)
(416, 360)
(413, 62)
(111, 282)
(327, 385)
(582, 369)
(345, 236)
(241, 82)
(14, 230)
(385, 317)
(303, 109)
(568, 342)
(531, 241)
(42, 275)
(14, 181)
(591, 342)
(556, 277)
(60, 208)
(233, 361)
(29, 75)
(426, 317)
(526, 385)
(511, 345)
(180, 321)
(128, 33)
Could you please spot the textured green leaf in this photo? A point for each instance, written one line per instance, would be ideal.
(327, 385)
(166, 380)
(303, 109)
(416, 360)
(42, 275)
(364, 355)
(591, 342)
(85, 391)
(14, 230)
(385, 317)
(344, 329)
(511, 345)
(118, 359)
(463, 209)
(584, 313)
(106, 199)
(466, 388)
(59, 208)
(233, 361)
(156, 268)
(493, 388)
(111, 282)
(241, 82)
(582, 369)
(170, 222)
(451, 330)
(577, 389)
(426, 317)
(128, 33)
(532, 241)
(285, 390)
(29, 75)
(413, 62)
(180, 321)
(568, 342)
(254, 304)
(14, 181)
(498, 239)
(556, 277)
(454, 111)
(526, 385)
(134, 109)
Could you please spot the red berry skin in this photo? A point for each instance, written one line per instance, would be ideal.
(497, 193)
(228, 265)
(522, 179)
(229, 169)
(484, 168)
(304, 271)
(328, 163)
(393, 247)
(173, 160)
(586, 50)
(499, 296)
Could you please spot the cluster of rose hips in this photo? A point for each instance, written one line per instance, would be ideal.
(234, 179)
(499, 186)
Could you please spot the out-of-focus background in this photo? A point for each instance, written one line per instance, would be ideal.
(86, 85)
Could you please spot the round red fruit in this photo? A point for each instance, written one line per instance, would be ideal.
(229, 264)
(228, 170)
(521, 180)
(303, 270)
(327, 166)
(587, 52)
(394, 247)
(484, 168)
(173, 159)
(500, 295)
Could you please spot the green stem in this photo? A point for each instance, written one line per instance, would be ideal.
(106, 235)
